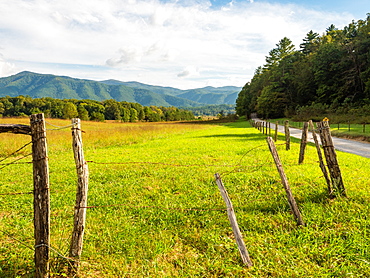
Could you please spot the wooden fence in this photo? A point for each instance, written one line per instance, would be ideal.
(41, 191)
(41, 197)
(335, 182)
(347, 126)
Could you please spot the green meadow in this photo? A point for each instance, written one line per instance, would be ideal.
(156, 210)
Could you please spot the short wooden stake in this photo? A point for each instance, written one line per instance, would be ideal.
(331, 159)
(284, 180)
(287, 135)
(41, 193)
(81, 197)
(303, 143)
(234, 224)
(321, 160)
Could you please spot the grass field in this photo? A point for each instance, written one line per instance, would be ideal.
(157, 211)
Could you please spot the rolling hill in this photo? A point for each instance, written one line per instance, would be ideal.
(63, 87)
(206, 95)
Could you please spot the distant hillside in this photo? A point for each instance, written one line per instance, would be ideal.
(206, 95)
(155, 89)
(62, 87)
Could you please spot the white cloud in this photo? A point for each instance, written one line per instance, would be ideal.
(6, 68)
(151, 41)
(189, 71)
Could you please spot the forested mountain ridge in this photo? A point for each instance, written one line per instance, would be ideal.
(63, 87)
(328, 74)
(206, 95)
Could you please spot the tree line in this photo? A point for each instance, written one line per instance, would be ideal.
(212, 109)
(330, 73)
(90, 109)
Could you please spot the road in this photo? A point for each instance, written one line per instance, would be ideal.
(344, 145)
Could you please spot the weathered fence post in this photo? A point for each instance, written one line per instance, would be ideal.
(287, 135)
(234, 224)
(41, 193)
(276, 130)
(331, 159)
(303, 143)
(81, 197)
(321, 161)
(284, 180)
(269, 123)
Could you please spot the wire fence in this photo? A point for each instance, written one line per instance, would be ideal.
(238, 167)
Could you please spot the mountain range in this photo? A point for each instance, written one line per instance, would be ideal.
(63, 87)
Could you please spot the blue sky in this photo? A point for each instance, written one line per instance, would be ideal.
(179, 43)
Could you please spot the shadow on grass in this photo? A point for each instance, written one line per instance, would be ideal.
(316, 198)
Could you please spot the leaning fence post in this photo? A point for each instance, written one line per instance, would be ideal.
(287, 135)
(41, 193)
(303, 143)
(321, 161)
(284, 180)
(331, 158)
(234, 224)
(81, 196)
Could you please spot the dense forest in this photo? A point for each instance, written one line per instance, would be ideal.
(328, 75)
(90, 109)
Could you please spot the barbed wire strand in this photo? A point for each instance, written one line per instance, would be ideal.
(62, 127)
(56, 251)
(155, 207)
(28, 162)
(59, 127)
(18, 240)
(160, 163)
(16, 193)
(13, 162)
(21, 148)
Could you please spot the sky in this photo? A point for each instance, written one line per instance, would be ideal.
(178, 43)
